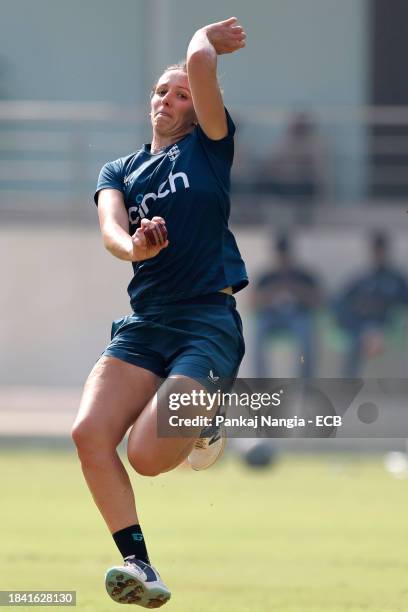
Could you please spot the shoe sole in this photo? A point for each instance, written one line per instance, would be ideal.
(208, 465)
(124, 588)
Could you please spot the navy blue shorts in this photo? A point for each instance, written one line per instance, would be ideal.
(200, 337)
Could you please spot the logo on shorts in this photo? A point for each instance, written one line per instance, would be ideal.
(212, 377)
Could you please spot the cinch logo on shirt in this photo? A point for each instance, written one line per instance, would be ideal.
(169, 186)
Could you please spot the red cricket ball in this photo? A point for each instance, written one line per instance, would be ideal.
(156, 236)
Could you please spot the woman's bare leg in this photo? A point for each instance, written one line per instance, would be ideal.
(150, 454)
(114, 396)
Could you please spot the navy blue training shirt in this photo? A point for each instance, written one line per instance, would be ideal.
(187, 184)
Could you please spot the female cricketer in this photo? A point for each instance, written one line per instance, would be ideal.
(165, 208)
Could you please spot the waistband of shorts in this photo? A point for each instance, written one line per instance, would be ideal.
(211, 299)
(219, 298)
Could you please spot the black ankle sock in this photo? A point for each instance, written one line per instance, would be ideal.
(130, 541)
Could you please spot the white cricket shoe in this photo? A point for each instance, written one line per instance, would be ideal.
(138, 583)
(208, 448)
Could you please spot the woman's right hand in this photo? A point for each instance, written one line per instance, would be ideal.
(141, 249)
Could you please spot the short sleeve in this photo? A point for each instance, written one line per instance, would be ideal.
(110, 177)
(223, 148)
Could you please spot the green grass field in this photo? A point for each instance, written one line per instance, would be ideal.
(312, 534)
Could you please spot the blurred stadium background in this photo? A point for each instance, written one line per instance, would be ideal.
(74, 93)
(75, 82)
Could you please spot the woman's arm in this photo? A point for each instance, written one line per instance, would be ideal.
(208, 42)
(114, 224)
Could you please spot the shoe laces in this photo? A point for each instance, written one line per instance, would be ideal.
(201, 443)
(133, 563)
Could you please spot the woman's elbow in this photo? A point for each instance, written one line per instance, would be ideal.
(204, 57)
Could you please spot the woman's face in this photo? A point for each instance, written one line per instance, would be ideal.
(172, 110)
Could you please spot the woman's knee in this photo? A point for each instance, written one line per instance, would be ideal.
(89, 439)
(145, 463)
(156, 460)
(80, 434)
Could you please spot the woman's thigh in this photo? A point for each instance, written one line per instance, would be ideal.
(151, 451)
(114, 395)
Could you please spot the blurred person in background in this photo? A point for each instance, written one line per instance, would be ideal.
(296, 171)
(285, 299)
(366, 305)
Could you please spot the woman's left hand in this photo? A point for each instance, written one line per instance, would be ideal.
(226, 36)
